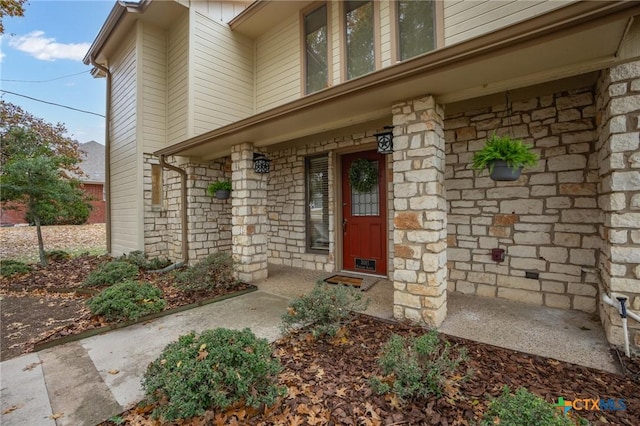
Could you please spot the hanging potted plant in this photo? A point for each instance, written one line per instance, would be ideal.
(220, 189)
(504, 157)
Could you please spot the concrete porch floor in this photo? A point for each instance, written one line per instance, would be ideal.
(570, 336)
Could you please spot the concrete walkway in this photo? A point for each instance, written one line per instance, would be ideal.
(85, 382)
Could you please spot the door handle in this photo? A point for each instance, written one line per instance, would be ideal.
(344, 225)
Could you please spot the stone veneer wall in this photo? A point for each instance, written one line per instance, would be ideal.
(618, 103)
(547, 221)
(209, 218)
(286, 203)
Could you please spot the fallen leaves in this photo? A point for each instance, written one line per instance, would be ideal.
(31, 366)
(12, 409)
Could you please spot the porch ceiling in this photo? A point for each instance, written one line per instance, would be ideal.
(573, 40)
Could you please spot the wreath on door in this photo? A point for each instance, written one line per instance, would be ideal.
(363, 175)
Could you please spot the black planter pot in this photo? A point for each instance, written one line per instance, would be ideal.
(222, 194)
(502, 172)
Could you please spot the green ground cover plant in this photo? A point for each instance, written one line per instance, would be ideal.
(415, 367)
(213, 370)
(216, 271)
(143, 261)
(525, 408)
(9, 267)
(127, 301)
(111, 273)
(325, 309)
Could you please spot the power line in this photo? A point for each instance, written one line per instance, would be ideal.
(51, 103)
(43, 81)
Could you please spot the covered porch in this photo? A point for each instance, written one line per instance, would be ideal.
(570, 336)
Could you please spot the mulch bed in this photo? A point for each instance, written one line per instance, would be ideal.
(328, 384)
(48, 303)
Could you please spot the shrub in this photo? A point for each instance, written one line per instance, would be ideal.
(415, 366)
(213, 370)
(524, 408)
(325, 309)
(127, 301)
(111, 273)
(10, 268)
(214, 272)
(142, 260)
(57, 255)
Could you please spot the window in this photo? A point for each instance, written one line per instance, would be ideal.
(416, 27)
(317, 182)
(316, 53)
(360, 46)
(156, 185)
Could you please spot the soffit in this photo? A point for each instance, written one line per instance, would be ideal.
(261, 16)
(486, 65)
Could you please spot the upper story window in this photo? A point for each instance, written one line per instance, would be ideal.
(416, 27)
(316, 52)
(360, 44)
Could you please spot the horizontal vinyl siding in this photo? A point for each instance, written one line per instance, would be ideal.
(385, 35)
(336, 47)
(124, 225)
(222, 75)
(466, 19)
(154, 88)
(221, 11)
(278, 65)
(177, 79)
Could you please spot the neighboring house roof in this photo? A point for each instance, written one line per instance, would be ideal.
(92, 162)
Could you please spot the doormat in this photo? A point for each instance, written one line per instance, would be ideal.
(344, 280)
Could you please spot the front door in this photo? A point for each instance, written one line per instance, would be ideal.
(364, 219)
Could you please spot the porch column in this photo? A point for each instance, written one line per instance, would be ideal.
(619, 194)
(420, 218)
(248, 215)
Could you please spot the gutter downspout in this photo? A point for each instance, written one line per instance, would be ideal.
(107, 152)
(183, 206)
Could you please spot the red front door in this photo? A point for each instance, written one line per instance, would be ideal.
(364, 219)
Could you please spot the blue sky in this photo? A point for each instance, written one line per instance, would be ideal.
(50, 42)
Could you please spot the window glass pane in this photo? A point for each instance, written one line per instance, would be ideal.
(366, 203)
(317, 174)
(416, 27)
(315, 27)
(156, 184)
(360, 44)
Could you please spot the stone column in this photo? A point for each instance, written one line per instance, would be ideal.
(420, 218)
(248, 215)
(619, 193)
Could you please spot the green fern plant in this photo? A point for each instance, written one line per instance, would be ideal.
(512, 151)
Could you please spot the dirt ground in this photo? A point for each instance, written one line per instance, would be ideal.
(21, 242)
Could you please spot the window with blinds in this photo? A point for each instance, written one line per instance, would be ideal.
(317, 200)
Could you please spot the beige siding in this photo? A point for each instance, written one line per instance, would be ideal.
(385, 34)
(278, 72)
(336, 47)
(177, 79)
(154, 88)
(124, 222)
(221, 11)
(222, 86)
(465, 19)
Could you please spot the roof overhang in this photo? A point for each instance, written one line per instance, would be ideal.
(122, 17)
(262, 15)
(572, 40)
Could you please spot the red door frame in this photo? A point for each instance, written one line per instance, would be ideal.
(373, 243)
